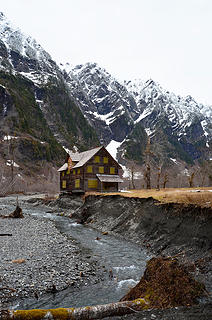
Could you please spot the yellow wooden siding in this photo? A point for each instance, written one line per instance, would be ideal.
(78, 171)
(101, 169)
(105, 160)
(74, 171)
(97, 159)
(112, 170)
(68, 171)
(63, 173)
(92, 184)
(89, 169)
(63, 184)
(77, 183)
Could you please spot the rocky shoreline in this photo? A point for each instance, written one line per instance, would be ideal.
(38, 259)
(49, 265)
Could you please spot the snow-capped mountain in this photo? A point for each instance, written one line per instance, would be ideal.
(104, 101)
(78, 103)
(21, 53)
(36, 105)
(129, 112)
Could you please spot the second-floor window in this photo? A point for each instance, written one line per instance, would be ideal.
(101, 169)
(105, 160)
(89, 169)
(97, 159)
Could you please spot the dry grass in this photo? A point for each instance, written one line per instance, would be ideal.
(197, 196)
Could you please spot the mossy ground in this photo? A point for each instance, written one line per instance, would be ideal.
(165, 284)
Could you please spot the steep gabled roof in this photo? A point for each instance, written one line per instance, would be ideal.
(82, 157)
(85, 156)
(64, 167)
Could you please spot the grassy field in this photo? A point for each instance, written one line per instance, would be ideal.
(197, 196)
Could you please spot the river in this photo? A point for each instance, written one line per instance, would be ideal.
(124, 264)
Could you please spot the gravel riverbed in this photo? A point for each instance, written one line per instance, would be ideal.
(37, 259)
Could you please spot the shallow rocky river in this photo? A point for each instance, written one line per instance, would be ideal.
(108, 265)
(122, 262)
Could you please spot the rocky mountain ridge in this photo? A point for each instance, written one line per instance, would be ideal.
(36, 108)
(51, 107)
(124, 111)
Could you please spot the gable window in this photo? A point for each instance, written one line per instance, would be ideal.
(89, 169)
(96, 159)
(101, 169)
(77, 183)
(64, 184)
(112, 170)
(105, 160)
(92, 183)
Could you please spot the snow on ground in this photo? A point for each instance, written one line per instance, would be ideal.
(112, 148)
(6, 138)
(174, 160)
(149, 132)
(127, 173)
(10, 162)
(66, 149)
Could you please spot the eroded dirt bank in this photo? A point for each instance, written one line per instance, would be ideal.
(165, 229)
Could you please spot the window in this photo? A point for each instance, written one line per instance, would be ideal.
(92, 184)
(105, 160)
(74, 171)
(101, 169)
(64, 184)
(77, 183)
(96, 159)
(89, 169)
(63, 174)
(78, 171)
(112, 170)
(68, 171)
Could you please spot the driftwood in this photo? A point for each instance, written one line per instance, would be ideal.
(83, 313)
(17, 213)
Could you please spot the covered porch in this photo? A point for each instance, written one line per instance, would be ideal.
(109, 182)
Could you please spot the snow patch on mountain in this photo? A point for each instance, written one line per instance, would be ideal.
(112, 148)
(15, 40)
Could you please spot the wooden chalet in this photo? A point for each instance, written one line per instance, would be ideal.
(92, 170)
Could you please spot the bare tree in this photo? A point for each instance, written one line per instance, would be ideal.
(147, 172)
(158, 177)
(132, 176)
(165, 179)
(191, 179)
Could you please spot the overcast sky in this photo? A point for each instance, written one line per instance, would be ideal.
(169, 41)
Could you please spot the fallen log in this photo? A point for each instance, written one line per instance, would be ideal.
(5, 234)
(83, 313)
